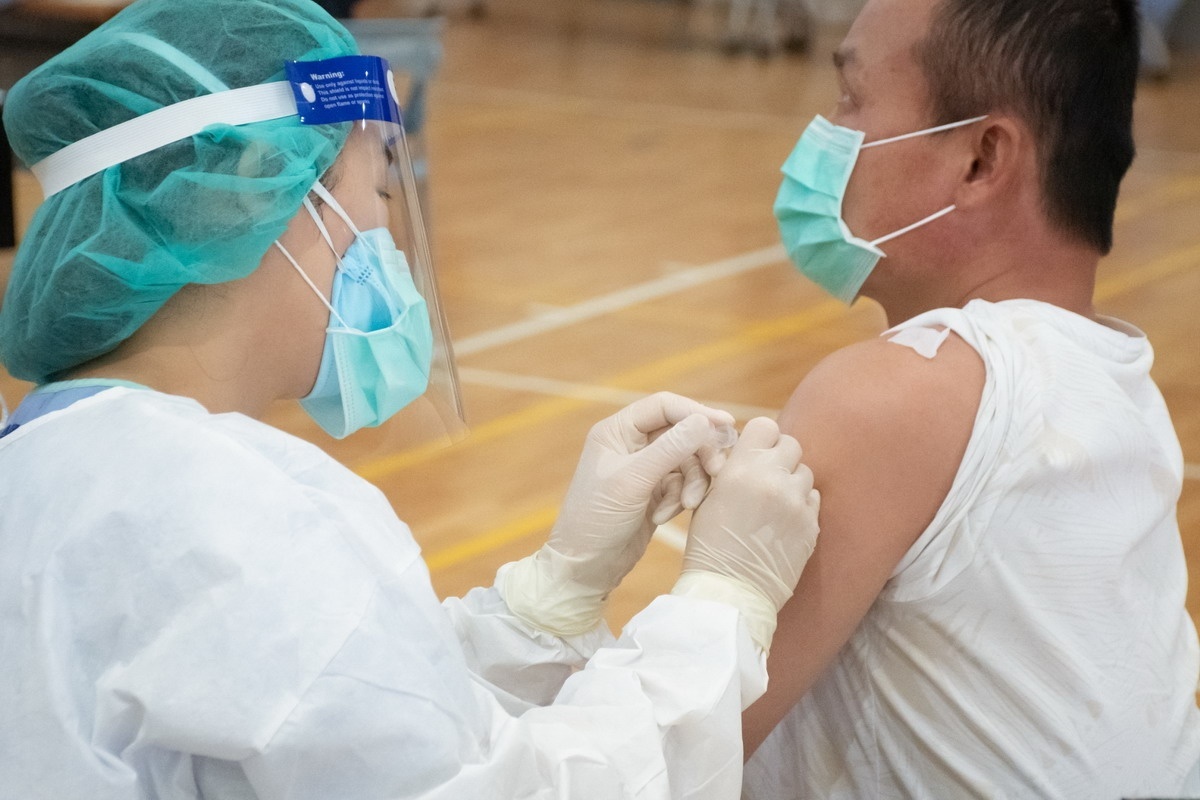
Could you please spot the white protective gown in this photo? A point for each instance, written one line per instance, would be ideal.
(196, 605)
(1034, 641)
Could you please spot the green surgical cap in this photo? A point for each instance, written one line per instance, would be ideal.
(103, 255)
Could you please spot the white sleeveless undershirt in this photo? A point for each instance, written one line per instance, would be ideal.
(1034, 641)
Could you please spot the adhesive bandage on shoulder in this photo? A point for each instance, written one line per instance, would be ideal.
(924, 341)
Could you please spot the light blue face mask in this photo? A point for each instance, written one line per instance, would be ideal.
(808, 207)
(379, 344)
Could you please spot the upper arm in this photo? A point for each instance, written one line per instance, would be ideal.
(884, 431)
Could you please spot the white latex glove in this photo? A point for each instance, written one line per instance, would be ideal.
(753, 534)
(605, 521)
(687, 486)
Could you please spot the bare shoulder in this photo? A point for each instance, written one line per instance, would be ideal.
(883, 403)
(879, 373)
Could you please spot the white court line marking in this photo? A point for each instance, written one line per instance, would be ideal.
(656, 112)
(591, 393)
(672, 536)
(619, 300)
(1191, 472)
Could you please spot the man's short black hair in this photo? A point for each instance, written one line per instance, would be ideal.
(1068, 68)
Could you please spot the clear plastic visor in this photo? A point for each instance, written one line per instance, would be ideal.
(374, 184)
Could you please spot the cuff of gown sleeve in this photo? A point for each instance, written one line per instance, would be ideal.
(708, 633)
(757, 611)
(488, 602)
(538, 590)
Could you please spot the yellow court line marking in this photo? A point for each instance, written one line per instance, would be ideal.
(539, 521)
(536, 522)
(1164, 267)
(479, 434)
(1179, 189)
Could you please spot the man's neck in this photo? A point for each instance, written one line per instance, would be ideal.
(1050, 270)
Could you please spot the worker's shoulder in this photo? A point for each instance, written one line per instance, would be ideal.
(878, 392)
(150, 437)
(235, 474)
(160, 423)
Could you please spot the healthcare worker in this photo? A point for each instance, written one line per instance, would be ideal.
(194, 604)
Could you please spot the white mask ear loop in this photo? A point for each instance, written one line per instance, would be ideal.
(311, 285)
(320, 191)
(3, 412)
(926, 132)
(316, 218)
(914, 226)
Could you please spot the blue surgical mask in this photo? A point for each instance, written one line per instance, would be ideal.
(808, 207)
(379, 344)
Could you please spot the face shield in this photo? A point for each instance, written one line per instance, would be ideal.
(387, 353)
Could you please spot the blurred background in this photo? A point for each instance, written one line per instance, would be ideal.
(598, 178)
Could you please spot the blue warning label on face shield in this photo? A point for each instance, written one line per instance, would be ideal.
(344, 89)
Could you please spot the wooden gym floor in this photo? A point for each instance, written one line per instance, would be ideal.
(601, 211)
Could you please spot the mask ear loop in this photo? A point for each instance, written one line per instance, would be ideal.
(3, 413)
(320, 223)
(312, 212)
(914, 226)
(320, 191)
(948, 126)
(926, 132)
(311, 285)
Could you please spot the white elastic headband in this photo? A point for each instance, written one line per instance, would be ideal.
(162, 127)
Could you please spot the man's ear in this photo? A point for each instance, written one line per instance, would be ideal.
(1000, 156)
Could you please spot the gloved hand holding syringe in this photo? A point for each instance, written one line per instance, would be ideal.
(687, 486)
(749, 540)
